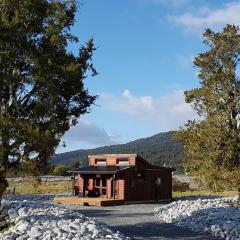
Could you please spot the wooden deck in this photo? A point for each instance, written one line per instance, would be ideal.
(86, 201)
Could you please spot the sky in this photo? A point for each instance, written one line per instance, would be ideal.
(144, 57)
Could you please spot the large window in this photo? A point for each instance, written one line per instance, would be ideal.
(104, 182)
(123, 162)
(97, 182)
(101, 162)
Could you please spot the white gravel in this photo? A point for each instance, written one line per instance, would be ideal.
(35, 217)
(219, 216)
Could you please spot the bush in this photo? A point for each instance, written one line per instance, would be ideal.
(59, 170)
(180, 186)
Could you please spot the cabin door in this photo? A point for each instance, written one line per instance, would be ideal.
(101, 185)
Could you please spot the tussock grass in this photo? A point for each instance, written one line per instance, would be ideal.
(45, 187)
(204, 193)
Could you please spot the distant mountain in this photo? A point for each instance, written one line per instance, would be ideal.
(160, 149)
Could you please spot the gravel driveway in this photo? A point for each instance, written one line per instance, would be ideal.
(137, 221)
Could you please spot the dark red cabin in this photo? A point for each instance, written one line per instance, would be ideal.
(126, 177)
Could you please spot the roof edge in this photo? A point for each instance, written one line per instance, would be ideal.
(114, 155)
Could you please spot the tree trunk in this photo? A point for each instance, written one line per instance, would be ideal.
(3, 182)
(4, 161)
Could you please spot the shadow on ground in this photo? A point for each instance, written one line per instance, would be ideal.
(138, 222)
(166, 231)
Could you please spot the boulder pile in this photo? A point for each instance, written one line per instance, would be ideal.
(34, 217)
(219, 216)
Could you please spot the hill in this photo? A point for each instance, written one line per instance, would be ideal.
(159, 149)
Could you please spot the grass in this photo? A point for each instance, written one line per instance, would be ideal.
(204, 193)
(49, 187)
(55, 187)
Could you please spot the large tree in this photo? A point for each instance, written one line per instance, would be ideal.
(212, 145)
(42, 93)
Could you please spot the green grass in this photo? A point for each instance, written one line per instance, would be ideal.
(54, 187)
(204, 193)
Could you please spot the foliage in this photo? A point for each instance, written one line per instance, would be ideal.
(25, 169)
(180, 186)
(159, 149)
(212, 145)
(42, 92)
(59, 170)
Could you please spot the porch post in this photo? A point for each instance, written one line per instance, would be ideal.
(73, 184)
(113, 179)
(100, 189)
(84, 186)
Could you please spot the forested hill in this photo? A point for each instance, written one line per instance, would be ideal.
(159, 149)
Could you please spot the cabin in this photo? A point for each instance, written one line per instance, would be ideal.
(125, 177)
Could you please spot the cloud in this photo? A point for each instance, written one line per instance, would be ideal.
(128, 103)
(88, 133)
(212, 18)
(166, 112)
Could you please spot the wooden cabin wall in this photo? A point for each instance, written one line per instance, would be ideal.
(165, 189)
(145, 189)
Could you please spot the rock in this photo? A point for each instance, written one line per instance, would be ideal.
(23, 237)
(216, 215)
(35, 219)
(221, 234)
(22, 227)
(12, 213)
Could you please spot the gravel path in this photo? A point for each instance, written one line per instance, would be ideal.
(138, 221)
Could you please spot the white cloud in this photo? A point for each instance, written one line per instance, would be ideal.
(88, 133)
(205, 17)
(166, 112)
(127, 103)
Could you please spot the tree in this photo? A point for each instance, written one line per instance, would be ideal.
(59, 170)
(42, 91)
(212, 145)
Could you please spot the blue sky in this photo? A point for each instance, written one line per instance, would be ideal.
(145, 63)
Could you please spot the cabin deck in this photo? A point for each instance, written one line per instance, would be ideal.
(87, 201)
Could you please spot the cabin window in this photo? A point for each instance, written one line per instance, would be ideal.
(123, 162)
(101, 162)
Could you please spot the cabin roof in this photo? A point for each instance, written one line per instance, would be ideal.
(122, 155)
(100, 169)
